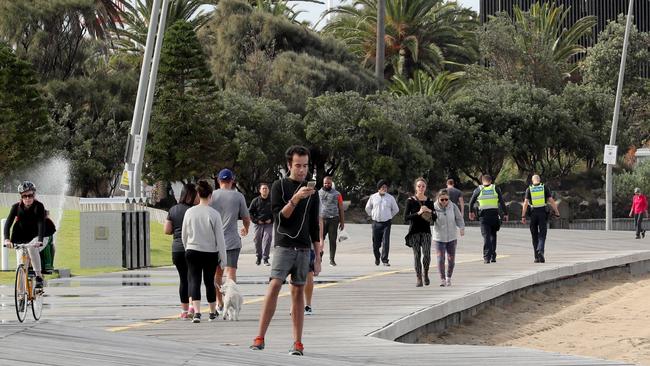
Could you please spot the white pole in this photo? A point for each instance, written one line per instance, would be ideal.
(380, 48)
(137, 181)
(5, 251)
(617, 109)
(144, 80)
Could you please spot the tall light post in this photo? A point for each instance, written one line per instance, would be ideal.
(617, 109)
(381, 45)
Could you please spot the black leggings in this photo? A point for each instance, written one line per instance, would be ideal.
(178, 258)
(202, 263)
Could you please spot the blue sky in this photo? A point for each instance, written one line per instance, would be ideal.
(313, 11)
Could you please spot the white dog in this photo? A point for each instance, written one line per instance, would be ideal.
(232, 300)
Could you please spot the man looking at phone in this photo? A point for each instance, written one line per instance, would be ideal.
(295, 208)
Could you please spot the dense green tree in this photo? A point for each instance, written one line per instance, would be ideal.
(23, 116)
(183, 136)
(534, 47)
(420, 34)
(255, 52)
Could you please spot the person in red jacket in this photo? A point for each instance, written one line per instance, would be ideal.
(639, 208)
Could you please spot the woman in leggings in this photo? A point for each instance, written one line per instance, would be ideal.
(445, 234)
(205, 248)
(419, 214)
(174, 225)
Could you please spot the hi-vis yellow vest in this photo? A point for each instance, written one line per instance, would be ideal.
(488, 198)
(537, 196)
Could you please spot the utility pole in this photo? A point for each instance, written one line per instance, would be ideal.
(381, 45)
(617, 109)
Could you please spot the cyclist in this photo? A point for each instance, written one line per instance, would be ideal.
(28, 220)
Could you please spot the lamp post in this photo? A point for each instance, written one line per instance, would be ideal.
(617, 109)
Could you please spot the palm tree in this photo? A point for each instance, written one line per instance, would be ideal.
(283, 9)
(544, 25)
(443, 85)
(136, 16)
(430, 35)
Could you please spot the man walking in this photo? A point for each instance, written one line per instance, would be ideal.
(262, 217)
(456, 196)
(538, 196)
(381, 207)
(296, 209)
(639, 207)
(489, 200)
(231, 204)
(331, 215)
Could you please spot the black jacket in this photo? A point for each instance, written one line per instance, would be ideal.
(260, 209)
(28, 223)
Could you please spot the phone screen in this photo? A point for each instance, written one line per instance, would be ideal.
(311, 184)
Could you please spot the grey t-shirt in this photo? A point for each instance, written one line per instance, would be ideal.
(329, 203)
(176, 215)
(232, 207)
(454, 195)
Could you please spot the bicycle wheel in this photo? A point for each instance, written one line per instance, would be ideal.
(20, 293)
(37, 303)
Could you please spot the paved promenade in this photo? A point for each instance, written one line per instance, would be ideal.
(129, 318)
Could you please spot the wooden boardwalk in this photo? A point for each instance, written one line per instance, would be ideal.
(128, 318)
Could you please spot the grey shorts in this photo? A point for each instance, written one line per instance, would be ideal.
(232, 257)
(290, 261)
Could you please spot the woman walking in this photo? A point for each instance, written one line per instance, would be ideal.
(445, 235)
(420, 215)
(174, 226)
(205, 248)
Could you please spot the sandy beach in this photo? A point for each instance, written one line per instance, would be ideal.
(607, 318)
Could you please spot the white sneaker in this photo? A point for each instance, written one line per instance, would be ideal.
(448, 282)
(309, 310)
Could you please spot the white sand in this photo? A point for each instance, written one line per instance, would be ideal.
(600, 318)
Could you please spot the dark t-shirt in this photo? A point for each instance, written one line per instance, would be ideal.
(176, 215)
(301, 229)
(547, 194)
(454, 195)
(28, 223)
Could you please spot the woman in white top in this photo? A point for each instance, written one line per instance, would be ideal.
(205, 248)
(445, 234)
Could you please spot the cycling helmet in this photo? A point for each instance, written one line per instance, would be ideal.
(26, 186)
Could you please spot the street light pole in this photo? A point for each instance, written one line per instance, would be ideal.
(381, 46)
(617, 109)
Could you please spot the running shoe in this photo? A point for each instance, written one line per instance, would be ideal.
(443, 283)
(258, 344)
(297, 349)
(184, 315)
(258, 261)
(196, 318)
(309, 310)
(266, 262)
(39, 282)
(332, 263)
(448, 282)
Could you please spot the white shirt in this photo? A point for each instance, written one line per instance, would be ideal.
(381, 207)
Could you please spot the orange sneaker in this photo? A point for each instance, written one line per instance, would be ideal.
(258, 344)
(297, 349)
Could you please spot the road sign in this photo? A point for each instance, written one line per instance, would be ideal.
(609, 157)
(125, 181)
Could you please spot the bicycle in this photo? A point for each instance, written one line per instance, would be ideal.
(25, 292)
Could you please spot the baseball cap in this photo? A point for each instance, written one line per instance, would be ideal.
(225, 175)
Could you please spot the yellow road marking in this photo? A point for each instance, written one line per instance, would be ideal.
(286, 293)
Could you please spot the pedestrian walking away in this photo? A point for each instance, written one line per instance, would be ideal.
(456, 195)
(174, 226)
(537, 197)
(381, 208)
(419, 214)
(485, 204)
(231, 205)
(262, 217)
(638, 210)
(331, 215)
(295, 207)
(445, 235)
(205, 248)
(27, 217)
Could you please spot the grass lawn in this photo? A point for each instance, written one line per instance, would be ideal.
(67, 248)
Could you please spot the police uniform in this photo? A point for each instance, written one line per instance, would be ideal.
(537, 196)
(489, 200)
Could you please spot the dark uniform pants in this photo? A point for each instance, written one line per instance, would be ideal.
(538, 228)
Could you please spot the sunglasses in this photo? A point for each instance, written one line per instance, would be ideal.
(444, 199)
(31, 195)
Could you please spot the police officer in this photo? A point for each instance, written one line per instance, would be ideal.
(538, 196)
(490, 201)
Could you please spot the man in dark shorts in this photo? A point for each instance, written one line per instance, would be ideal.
(296, 210)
